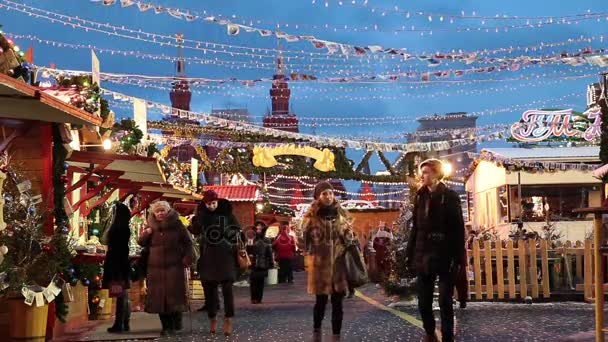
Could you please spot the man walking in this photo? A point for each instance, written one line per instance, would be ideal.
(285, 248)
(436, 248)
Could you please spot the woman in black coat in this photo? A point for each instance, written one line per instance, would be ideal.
(261, 257)
(116, 268)
(217, 266)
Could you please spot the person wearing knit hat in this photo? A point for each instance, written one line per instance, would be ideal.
(436, 247)
(218, 230)
(322, 186)
(326, 228)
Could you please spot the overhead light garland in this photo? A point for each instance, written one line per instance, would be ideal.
(333, 48)
(234, 28)
(472, 56)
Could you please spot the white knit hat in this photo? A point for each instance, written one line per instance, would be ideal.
(160, 204)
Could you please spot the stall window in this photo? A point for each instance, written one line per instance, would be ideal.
(556, 201)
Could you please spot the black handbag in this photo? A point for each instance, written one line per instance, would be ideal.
(356, 271)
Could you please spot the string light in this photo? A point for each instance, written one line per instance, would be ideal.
(137, 34)
(181, 14)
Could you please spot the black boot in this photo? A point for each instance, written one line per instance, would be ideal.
(116, 328)
(164, 320)
(126, 327)
(177, 321)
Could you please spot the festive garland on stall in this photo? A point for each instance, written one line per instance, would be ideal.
(129, 135)
(12, 59)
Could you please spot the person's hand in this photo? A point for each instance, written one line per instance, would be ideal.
(148, 230)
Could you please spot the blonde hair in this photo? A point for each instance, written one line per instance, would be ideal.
(159, 204)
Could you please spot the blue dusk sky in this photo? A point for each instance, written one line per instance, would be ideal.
(535, 86)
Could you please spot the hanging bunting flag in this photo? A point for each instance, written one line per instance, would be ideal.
(109, 2)
(127, 3)
(140, 115)
(232, 29)
(175, 13)
(96, 77)
(190, 17)
(318, 44)
(143, 7)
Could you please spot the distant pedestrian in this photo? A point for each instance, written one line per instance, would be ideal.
(170, 253)
(285, 248)
(326, 226)
(436, 247)
(261, 255)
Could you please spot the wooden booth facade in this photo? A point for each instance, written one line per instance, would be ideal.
(30, 121)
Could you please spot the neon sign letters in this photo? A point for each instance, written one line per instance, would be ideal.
(539, 125)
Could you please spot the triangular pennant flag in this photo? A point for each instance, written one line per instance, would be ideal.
(190, 17)
(127, 3)
(318, 44)
(232, 29)
(29, 55)
(109, 2)
(143, 7)
(175, 13)
(291, 38)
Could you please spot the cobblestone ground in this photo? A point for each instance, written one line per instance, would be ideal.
(286, 315)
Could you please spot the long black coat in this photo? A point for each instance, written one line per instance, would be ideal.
(218, 232)
(116, 266)
(437, 237)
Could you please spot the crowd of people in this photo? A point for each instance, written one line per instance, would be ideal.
(222, 250)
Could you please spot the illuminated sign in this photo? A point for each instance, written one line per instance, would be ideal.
(539, 125)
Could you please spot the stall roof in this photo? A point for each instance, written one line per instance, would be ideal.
(236, 193)
(135, 168)
(18, 100)
(574, 154)
(168, 191)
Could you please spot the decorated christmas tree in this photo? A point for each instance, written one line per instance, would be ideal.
(400, 280)
(33, 262)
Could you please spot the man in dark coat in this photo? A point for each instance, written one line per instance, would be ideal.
(219, 230)
(116, 267)
(436, 247)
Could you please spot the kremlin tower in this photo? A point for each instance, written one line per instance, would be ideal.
(280, 117)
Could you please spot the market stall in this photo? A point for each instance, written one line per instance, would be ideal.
(534, 185)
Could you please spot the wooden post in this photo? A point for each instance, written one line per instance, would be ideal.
(477, 269)
(523, 286)
(579, 261)
(588, 282)
(511, 268)
(487, 249)
(544, 255)
(533, 270)
(599, 276)
(598, 241)
(500, 279)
